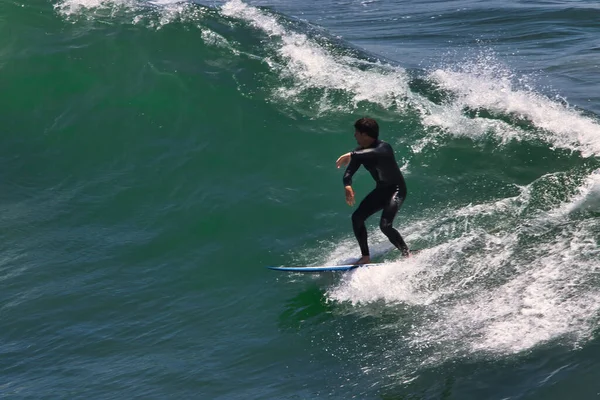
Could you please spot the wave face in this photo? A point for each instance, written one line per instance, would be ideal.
(157, 155)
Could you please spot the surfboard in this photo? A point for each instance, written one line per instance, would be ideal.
(327, 268)
(323, 268)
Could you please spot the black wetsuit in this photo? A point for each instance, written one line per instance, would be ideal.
(388, 195)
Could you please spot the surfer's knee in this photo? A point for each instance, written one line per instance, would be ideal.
(386, 227)
(357, 218)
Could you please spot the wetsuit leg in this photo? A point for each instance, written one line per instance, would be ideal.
(393, 203)
(372, 203)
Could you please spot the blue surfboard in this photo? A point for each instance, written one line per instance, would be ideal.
(326, 268)
(323, 268)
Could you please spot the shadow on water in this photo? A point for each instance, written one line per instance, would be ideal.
(554, 370)
(444, 389)
(310, 305)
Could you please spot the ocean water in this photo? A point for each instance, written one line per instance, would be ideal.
(155, 157)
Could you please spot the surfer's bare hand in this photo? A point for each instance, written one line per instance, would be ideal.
(343, 160)
(349, 195)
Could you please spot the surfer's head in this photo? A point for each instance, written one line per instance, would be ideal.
(366, 131)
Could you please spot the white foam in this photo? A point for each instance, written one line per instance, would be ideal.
(485, 84)
(73, 8)
(482, 83)
(173, 11)
(340, 83)
(588, 196)
(450, 119)
(542, 301)
(154, 14)
(313, 66)
(528, 282)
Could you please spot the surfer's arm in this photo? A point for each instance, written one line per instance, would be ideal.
(352, 168)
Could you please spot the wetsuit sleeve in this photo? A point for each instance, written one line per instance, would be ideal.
(363, 155)
(350, 170)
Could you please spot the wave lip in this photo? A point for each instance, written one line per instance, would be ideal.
(485, 87)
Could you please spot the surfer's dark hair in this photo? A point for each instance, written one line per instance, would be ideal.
(368, 126)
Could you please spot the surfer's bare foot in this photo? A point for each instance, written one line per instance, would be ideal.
(364, 260)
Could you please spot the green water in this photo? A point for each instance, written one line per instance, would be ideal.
(154, 159)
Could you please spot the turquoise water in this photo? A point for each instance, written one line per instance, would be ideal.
(155, 157)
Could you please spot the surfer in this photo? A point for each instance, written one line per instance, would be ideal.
(378, 158)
